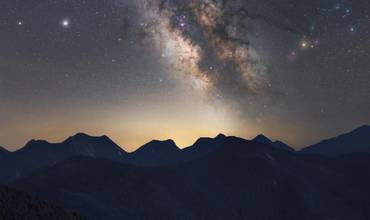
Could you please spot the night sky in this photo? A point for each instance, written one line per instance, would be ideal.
(136, 70)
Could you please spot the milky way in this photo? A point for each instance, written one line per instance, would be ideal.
(207, 40)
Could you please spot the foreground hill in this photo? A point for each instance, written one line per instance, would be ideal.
(356, 141)
(16, 205)
(239, 179)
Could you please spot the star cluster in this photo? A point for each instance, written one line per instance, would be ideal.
(346, 24)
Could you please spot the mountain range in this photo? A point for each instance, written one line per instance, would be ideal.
(39, 153)
(215, 178)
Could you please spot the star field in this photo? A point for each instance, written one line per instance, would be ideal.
(157, 69)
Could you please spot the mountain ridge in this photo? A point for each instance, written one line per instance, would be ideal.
(40, 153)
(259, 138)
(278, 144)
(354, 141)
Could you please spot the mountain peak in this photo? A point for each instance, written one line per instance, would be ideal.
(169, 141)
(207, 140)
(158, 144)
(34, 142)
(262, 139)
(80, 136)
(85, 137)
(220, 136)
(155, 153)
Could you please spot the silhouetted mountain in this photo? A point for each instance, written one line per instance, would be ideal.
(356, 141)
(239, 179)
(38, 154)
(278, 144)
(202, 147)
(16, 205)
(159, 153)
(262, 139)
(102, 147)
(156, 153)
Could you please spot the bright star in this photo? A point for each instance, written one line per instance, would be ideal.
(65, 23)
